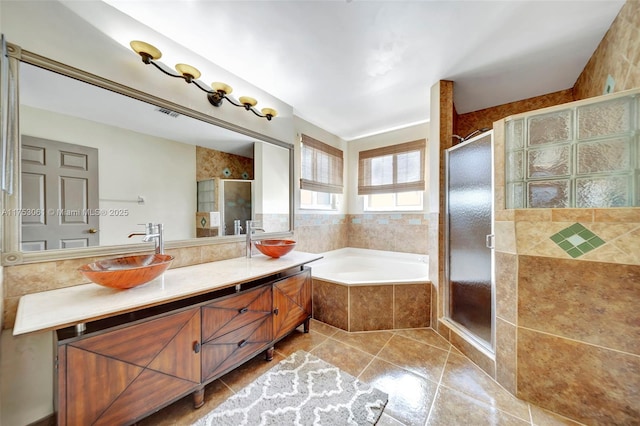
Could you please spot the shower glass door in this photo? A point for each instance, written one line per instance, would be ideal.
(469, 258)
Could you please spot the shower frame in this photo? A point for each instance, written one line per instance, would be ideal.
(486, 347)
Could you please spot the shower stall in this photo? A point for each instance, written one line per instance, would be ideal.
(469, 259)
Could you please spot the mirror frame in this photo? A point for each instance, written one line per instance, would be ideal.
(11, 233)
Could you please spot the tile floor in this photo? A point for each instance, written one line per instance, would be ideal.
(429, 382)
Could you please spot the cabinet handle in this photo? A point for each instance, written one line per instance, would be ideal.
(196, 347)
(243, 310)
(276, 311)
(242, 343)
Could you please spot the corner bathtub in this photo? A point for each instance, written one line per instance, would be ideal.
(364, 290)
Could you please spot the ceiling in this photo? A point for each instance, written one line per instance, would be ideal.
(356, 68)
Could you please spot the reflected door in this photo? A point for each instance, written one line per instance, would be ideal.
(59, 195)
(469, 271)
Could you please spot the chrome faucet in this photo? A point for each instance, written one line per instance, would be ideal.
(155, 233)
(250, 229)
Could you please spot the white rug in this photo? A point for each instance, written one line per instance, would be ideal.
(301, 390)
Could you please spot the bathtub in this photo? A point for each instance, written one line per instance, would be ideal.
(365, 290)
(353, 266)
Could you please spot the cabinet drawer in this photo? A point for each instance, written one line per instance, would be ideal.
(231, 349)
(233, 312)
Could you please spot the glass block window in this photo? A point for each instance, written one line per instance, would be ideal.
(582, 156)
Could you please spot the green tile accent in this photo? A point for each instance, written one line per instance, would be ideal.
(574, 252)
(586, 234)
(585, 239)
(565, 245)
(585, 247)
(557, 238)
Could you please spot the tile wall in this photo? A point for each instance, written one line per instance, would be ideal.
(467, 123)
(618, 55)
(568, 363)
(567, 288)
(372, 307)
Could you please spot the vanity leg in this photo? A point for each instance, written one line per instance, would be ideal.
(306, 325)
(198, 398)
(268, 355)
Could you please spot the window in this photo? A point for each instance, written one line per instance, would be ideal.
(392, 177)
(320, 174)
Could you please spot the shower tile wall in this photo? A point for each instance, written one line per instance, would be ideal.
(467, 123)
(617, 55)
(567, 322)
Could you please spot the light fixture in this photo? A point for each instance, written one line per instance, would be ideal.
(221, 91)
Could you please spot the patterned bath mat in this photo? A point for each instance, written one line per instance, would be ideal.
(301, 390)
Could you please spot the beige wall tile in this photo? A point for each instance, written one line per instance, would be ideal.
(370, 308)
(505, 215)
(185, 256)
(618, 215)
(506, 350)
(481, 359)
(30, 278)
(330, 303)
(532, 215)
(506, 286)
(592, 302)
(505, 233)
(411, 305)
(10, 311)
(572, 215)
(585, 382)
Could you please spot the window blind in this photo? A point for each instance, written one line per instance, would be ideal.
(395, 168)
(321, 166)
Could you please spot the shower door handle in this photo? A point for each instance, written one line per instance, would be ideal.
(489, 241)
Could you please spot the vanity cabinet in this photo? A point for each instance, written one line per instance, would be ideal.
(118, 374)
(233, 328)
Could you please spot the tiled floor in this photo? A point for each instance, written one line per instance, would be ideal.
(429, 382)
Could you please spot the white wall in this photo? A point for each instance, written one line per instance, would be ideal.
(130, 164)
(355, 203)
(26, 377)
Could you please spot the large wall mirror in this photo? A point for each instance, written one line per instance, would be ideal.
(95, 163)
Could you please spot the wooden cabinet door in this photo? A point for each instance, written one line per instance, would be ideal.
(122, 375)
(234, 328)
(291, 302)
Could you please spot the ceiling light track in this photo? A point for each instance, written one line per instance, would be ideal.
(189, 74)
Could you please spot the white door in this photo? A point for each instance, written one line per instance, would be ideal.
(59, 195)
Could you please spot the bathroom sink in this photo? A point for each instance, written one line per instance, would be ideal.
(275, 248)
(127, 272)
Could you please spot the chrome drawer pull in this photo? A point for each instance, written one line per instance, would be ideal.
(196, 347)
(243, 310)
(242, 343)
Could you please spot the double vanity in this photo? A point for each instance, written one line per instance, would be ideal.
(124, 354)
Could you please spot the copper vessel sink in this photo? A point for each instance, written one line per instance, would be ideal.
(127, 272)
(275, 248)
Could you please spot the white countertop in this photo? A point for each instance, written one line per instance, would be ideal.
(55, 309)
